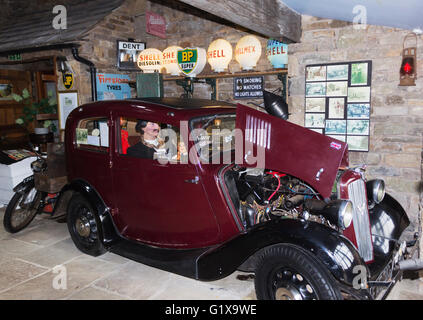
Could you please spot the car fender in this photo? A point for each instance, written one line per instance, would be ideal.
(332, 249)
(388, 221)
(108, 232)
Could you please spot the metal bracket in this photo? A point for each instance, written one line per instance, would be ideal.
(188, 85)
(283, 78)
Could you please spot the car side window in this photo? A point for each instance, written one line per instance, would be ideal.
(142, 138)
(93, 134)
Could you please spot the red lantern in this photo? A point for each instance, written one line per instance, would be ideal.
(408, 73)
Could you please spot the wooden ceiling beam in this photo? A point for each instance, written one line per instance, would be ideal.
(270, 18)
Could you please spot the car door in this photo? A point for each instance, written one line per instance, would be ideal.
(161, 204)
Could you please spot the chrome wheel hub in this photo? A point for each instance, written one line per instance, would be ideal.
(83, 227)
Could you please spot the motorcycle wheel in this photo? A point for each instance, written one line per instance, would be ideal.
(21, 209)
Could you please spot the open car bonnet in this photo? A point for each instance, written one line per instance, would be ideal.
(290, 149)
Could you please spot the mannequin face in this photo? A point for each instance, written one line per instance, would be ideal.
(151, 131)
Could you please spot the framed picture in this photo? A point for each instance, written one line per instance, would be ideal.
(315, 120)
(316, 73)
(336, 127)
(336, 108)
(6, 90)
(337, 88)
(316, 89)
(358, 127)
(358, 143)
(341, 92)
(359, 94)
(68, 100)
(338, 137)
(360, 74)
(358, 111)
(315, 104)
(337, 72)
(127, 54)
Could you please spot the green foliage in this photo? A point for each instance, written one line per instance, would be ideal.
(31, 109)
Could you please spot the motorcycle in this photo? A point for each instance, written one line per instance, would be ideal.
(28, 201)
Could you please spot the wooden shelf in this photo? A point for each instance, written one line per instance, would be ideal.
(230, 75)
(46, 116)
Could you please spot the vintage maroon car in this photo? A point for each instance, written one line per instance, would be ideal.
(280, 201)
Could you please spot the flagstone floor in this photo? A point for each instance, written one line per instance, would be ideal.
(41, 262)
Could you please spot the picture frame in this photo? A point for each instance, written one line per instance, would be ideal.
(336, 108)
(358, 111)
(337, 72)
(360, 72)
(316, 89)
(335, 127)
(67, 101)
(127, 54)
(338, 137)
(6, 90)
(315, 120)
(358, 127)
(359, 94)
(358, 143)
(316, 73)
(337, 88)
(315, 104)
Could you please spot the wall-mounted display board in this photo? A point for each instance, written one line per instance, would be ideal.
(337, 101)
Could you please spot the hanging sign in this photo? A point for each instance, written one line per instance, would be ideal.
(248, 52)
(248, 87)
(219, 54)
(150, 60)
(191, 61)
(170, 60)
(112, 86)
(155, 24)
(277, 53)
(67, 78)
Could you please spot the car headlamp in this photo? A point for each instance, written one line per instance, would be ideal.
(375, 190)
(338, 212)
(345, 214)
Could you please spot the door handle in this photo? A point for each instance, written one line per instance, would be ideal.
(195, 180)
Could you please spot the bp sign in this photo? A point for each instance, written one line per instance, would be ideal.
(187, 60)
(67, 80)
(191, 61)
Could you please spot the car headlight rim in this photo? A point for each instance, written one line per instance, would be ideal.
(378, 191)
(345, 214)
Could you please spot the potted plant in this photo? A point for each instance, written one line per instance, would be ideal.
(33, 109)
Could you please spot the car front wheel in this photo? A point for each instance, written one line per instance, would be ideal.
(287, 272)
(83, 226)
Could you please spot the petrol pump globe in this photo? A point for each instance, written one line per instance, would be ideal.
(219, 55)
(170, 61)
(248, 52)
(191, 61)
(150, 60)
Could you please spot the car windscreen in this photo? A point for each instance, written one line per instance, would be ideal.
(213, 134)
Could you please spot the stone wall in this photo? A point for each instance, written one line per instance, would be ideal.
(186, 28)
(397, 112)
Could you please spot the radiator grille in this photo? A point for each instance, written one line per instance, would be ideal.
(357, 195)
(258, 131)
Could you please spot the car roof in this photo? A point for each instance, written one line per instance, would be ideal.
(186, 104)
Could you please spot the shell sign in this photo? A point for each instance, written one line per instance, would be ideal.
(219, 54)
(277, 53)
(248, 52)
(191, 61)
(170, 60)
(150, 60)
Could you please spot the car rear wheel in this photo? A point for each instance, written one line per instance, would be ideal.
(287, 272)
(83, 225)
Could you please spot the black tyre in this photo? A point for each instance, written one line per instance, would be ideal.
(287, 272)
(22, 209)
(84, 226)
